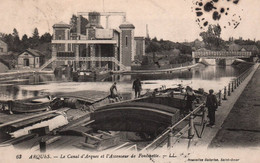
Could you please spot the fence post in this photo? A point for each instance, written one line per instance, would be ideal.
(229, 93)
(225, 93)
(219, 97)
(235, 84)
(238, 79)
(191, 131)
(232, 86)
(170, 139)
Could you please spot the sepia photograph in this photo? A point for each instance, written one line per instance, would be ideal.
(155, 81)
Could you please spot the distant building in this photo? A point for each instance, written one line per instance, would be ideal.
(139, 46)
(30, 58)
(96, 46)
(244, 48)
(250, 48)
(3, 47)
(234, 47)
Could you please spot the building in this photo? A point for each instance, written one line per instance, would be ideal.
(30, 58)
(90, 45)
(3, 48)
(234, 47)
(139, 46)
(250, 48)
(244, 48)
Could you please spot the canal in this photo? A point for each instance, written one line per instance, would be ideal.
(206, 77)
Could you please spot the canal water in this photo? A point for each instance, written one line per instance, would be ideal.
(206, 77)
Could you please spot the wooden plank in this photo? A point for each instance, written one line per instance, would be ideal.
(26, 118)
(91, 136)
(87, 123)
(33, 120)
(4, 117)
(19, 139)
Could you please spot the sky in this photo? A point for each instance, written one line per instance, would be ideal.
(173, 20)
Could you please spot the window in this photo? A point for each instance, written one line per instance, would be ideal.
(69, 47)
(1, 50)
(126, 41)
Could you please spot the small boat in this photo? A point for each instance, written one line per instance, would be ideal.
(26, 105)
(91, 75)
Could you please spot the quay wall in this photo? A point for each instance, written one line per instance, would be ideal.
(18, 74)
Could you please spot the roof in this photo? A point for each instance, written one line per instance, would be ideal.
(61, 25)
(126, 25)
(249, 47)
(33, 52)
(246, 47)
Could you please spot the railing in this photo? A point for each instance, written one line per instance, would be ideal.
(47, 63)
(219, 54)
(93, 59)
(198, 111)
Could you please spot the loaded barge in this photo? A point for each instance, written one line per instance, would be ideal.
(90, 123)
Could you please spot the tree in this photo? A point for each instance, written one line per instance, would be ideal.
(46, 38)
(9, 40)
(212, 38)
(35, 34)
(155, 39)
(15, 33)
(34, 40)
(25, 42)
(16, 41)
(145, 60)
(153, 47)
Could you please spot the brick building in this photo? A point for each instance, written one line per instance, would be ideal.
(30, 58)
(91, 45)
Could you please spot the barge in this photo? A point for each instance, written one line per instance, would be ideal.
(125, 124)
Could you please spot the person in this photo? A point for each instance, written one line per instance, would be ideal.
(113, 92)
(211, 104)
(137, 87)
(190, 97)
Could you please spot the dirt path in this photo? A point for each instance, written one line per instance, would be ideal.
(242, 126)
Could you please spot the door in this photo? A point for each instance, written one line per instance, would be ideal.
(26, 62)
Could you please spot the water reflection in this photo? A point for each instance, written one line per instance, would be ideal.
(215, 77)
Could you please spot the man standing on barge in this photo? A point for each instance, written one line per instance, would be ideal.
(137, 86)
(212, 105)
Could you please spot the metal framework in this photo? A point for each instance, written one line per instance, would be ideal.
(90, 59)
(221, 55)
(106, 14)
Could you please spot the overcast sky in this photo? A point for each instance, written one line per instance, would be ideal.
(168, 19)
